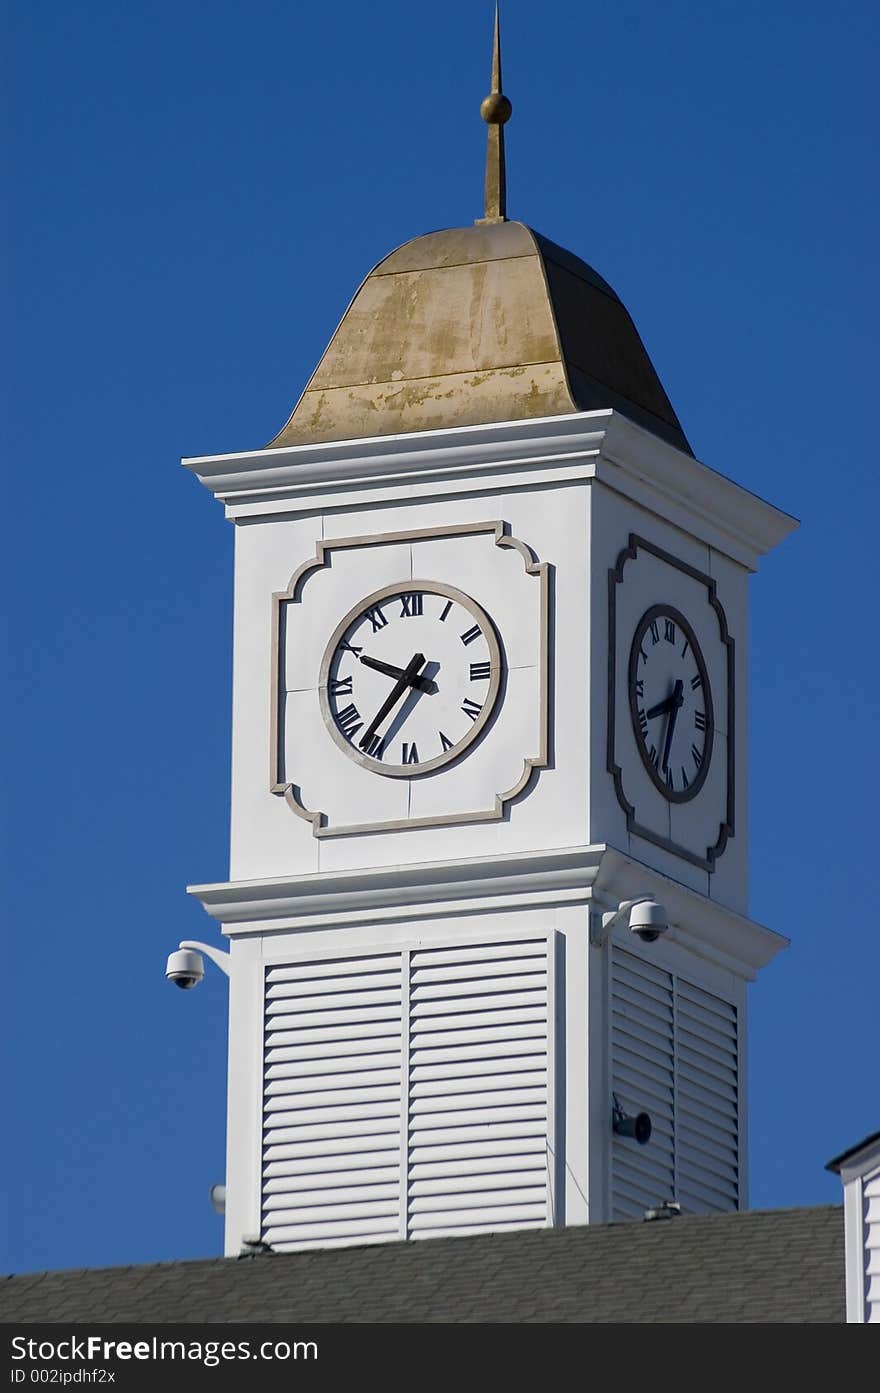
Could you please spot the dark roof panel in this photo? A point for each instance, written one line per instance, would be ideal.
(759, 1266)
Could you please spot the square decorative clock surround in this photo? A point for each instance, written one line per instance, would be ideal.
(423, 699)
(671, 703)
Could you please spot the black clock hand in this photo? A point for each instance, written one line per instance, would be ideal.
(676, 702)
(397, 691)
(424, 684)
(661, 708)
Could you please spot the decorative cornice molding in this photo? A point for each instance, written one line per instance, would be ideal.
(599, 874)
(700, 924)
(591, 444)
(411, 888)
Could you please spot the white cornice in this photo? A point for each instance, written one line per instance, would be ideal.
(574, 875)
(503, 455)
(702, 925)
(337, 897)
(646, 469)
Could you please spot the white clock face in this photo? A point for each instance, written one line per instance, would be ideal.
(670, 703)
(410, 678)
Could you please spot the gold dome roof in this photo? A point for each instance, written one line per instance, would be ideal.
(478, 324)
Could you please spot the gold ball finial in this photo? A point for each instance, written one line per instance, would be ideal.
(496, 109)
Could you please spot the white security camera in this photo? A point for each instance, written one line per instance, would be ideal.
(647, 920)
(185, 969)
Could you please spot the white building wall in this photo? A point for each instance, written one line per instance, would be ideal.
(860, 1173)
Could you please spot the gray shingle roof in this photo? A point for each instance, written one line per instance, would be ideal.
(784, 1265)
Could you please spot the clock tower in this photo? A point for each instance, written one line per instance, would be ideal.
(490, 645)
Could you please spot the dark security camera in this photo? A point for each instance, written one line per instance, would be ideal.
(637, 1127)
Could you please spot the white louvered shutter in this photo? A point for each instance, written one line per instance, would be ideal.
(478, 1088)
(871, 1225)
(332, 1125)
(675, 1055)
(643, 1079)
(436, 1057)
(707, 1111)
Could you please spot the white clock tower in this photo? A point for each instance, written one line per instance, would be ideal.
(489, 687)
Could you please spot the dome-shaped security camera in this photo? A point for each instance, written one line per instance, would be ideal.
(648, 920)
(185, 969)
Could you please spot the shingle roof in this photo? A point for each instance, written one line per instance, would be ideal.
(783, 1265)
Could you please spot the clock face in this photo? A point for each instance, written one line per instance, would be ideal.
(410, 678)
(671, 703)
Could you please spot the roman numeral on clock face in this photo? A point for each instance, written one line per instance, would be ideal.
(374, 747)
(470, 634)
(471, 708)
(480, 672)
(376, 618)
(410, 605)
(349, 720)
(700, 720)
(339, 686)
(410, 754)
(445, 742)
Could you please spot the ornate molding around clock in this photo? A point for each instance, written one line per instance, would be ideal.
(532, 765)
(726, 825)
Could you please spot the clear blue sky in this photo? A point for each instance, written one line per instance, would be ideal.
(194, 192)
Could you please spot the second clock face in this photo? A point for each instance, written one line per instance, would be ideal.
(671, 703)
(410, 677)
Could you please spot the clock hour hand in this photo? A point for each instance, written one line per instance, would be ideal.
(676, 702)
(424, 684)
(661, 708)
(673, 701)
(404, 680)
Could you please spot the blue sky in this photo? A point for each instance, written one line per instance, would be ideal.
(194, 192)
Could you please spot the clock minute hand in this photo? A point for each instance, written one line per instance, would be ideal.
(424, 684)
(676, 701)
(397, 691)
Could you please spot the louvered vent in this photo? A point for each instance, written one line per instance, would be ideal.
(643, 1078)
(451, 1041)
(332, 1121)
(871, 1223)
(478, 1106)
(675, 1055)
(707, 1112)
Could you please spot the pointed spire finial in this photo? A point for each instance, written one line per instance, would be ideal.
(495, 110)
